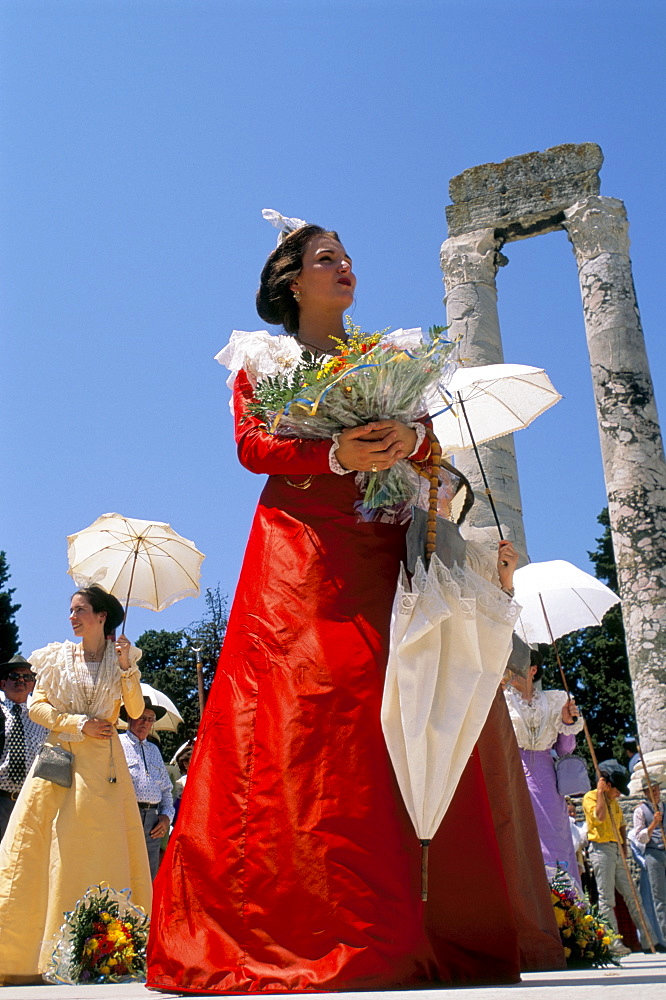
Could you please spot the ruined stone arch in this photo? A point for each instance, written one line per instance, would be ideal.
(492, 206)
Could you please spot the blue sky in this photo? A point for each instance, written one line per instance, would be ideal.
(140, 141)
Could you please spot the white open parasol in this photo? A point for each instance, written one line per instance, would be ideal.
(487, 402)
(495, 399)
(556, 598)
(143, 563)
(171, 718)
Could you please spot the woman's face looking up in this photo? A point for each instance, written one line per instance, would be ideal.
(326, 278)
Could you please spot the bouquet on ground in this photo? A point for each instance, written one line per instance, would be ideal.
(103, 940)
(373, 377)
(586, 939)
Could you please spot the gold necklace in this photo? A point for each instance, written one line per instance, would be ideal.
(313, 347)
(95, 657)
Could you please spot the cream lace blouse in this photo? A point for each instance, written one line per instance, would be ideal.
(538, 723)
(70, 691)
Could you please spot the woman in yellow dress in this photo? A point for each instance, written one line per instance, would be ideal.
(62, 840)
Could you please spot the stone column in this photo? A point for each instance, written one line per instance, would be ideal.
(631, 446)
(470, 263)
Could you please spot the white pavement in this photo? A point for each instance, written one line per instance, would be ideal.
(640, 977)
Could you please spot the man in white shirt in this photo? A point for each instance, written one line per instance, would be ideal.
(649, 834)
(20, 737)
(152, 784)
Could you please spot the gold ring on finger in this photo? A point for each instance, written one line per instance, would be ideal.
(373, 467)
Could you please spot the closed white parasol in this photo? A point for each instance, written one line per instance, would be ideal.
(451, 635)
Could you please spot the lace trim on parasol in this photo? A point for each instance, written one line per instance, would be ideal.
(75, 688)
(462, 586)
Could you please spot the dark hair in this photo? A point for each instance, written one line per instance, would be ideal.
(99, 601)
(275, 300)
(536, 660)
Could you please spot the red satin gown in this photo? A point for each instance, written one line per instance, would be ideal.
(294, 865)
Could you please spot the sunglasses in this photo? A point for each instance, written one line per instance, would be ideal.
(21, 678)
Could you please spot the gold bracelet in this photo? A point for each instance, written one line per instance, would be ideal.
(301, 486)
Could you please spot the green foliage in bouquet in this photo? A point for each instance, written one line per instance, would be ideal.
(103, 940)
(586, 939)
(275, 392)
(370, 378)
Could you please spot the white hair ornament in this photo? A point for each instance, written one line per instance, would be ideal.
(283, 223)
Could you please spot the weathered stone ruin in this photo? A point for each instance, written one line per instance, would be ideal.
(495, 204)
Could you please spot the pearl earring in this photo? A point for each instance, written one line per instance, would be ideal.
(297, 295)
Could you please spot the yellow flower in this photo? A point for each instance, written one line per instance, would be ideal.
(606, 941)
(588, 918)
(560, 916)
(104, 969)
(566, 932)
(112, 961)
(567, 952)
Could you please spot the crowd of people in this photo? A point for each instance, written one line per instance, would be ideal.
(293, 865)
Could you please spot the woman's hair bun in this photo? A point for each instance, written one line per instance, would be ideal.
(101, 601)
(275, 300)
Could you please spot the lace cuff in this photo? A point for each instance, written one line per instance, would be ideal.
(80, 723)
(420, 435)
(333, 463)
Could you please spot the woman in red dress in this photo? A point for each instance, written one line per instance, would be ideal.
(293, 865)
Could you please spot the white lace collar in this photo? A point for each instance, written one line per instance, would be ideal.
(261, 354)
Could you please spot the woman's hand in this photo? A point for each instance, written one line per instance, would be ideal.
(569, 712)
(507, 560)
(122, 649)
(376, 446)
(99, 729)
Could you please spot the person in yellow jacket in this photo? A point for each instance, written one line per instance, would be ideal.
(607, 836)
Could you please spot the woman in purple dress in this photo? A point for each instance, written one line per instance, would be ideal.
(545, 721)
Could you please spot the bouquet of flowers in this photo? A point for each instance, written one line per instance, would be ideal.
(586, 939)
(374, 377)
(103, 940)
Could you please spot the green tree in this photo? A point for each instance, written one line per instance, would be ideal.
(596, 666)
(169, 664)
(9, 634)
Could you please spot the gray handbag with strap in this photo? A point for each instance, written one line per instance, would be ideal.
(54, 764)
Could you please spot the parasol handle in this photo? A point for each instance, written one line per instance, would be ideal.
(435, 465)
(557, 655)
(425, 844)
(129, 589)
(481, 469)
(200, 681)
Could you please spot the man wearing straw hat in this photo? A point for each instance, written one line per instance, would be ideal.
(649, 835)
(150, 778)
